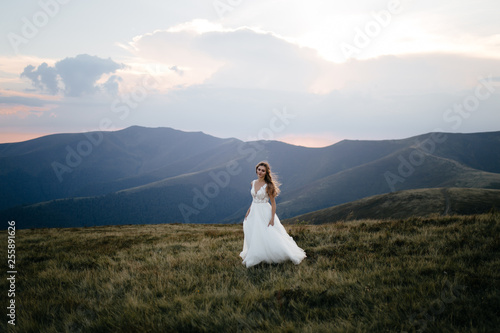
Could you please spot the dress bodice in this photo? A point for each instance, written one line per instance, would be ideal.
(260, 196)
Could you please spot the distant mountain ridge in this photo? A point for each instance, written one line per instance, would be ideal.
(162, 175)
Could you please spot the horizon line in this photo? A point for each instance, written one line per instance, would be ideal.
(307, 140)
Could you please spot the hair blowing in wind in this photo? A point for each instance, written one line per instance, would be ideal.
(270, 179)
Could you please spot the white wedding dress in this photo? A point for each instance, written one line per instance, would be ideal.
(263, 243)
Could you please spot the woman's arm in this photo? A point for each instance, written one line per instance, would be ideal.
(248, 211)
(273, 210)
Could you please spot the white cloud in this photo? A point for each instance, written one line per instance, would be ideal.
(78, 75)
(254, 59)
(421, 26)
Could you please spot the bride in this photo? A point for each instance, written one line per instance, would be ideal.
(265, 237)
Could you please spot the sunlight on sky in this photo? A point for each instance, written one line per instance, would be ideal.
(357, 69)
(10, 137)
(313, 140)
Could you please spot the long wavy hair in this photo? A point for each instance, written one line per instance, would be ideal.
(273, 186)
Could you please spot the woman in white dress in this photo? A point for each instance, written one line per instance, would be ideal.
(265, 237)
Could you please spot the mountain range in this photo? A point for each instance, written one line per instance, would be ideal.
(144, 175)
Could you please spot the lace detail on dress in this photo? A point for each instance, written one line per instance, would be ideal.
(261, 196)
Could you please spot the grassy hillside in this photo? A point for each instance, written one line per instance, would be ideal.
(432, 275)
(368, 180)
(397, 205)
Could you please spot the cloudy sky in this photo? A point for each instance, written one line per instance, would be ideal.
(305, 72)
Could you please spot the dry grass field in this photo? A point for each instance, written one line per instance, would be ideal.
(439, 274)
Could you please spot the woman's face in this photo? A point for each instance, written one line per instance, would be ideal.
(261, 171)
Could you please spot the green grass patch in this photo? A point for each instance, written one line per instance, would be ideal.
(439, 274)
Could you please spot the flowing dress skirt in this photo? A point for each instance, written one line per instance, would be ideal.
(263, 243)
